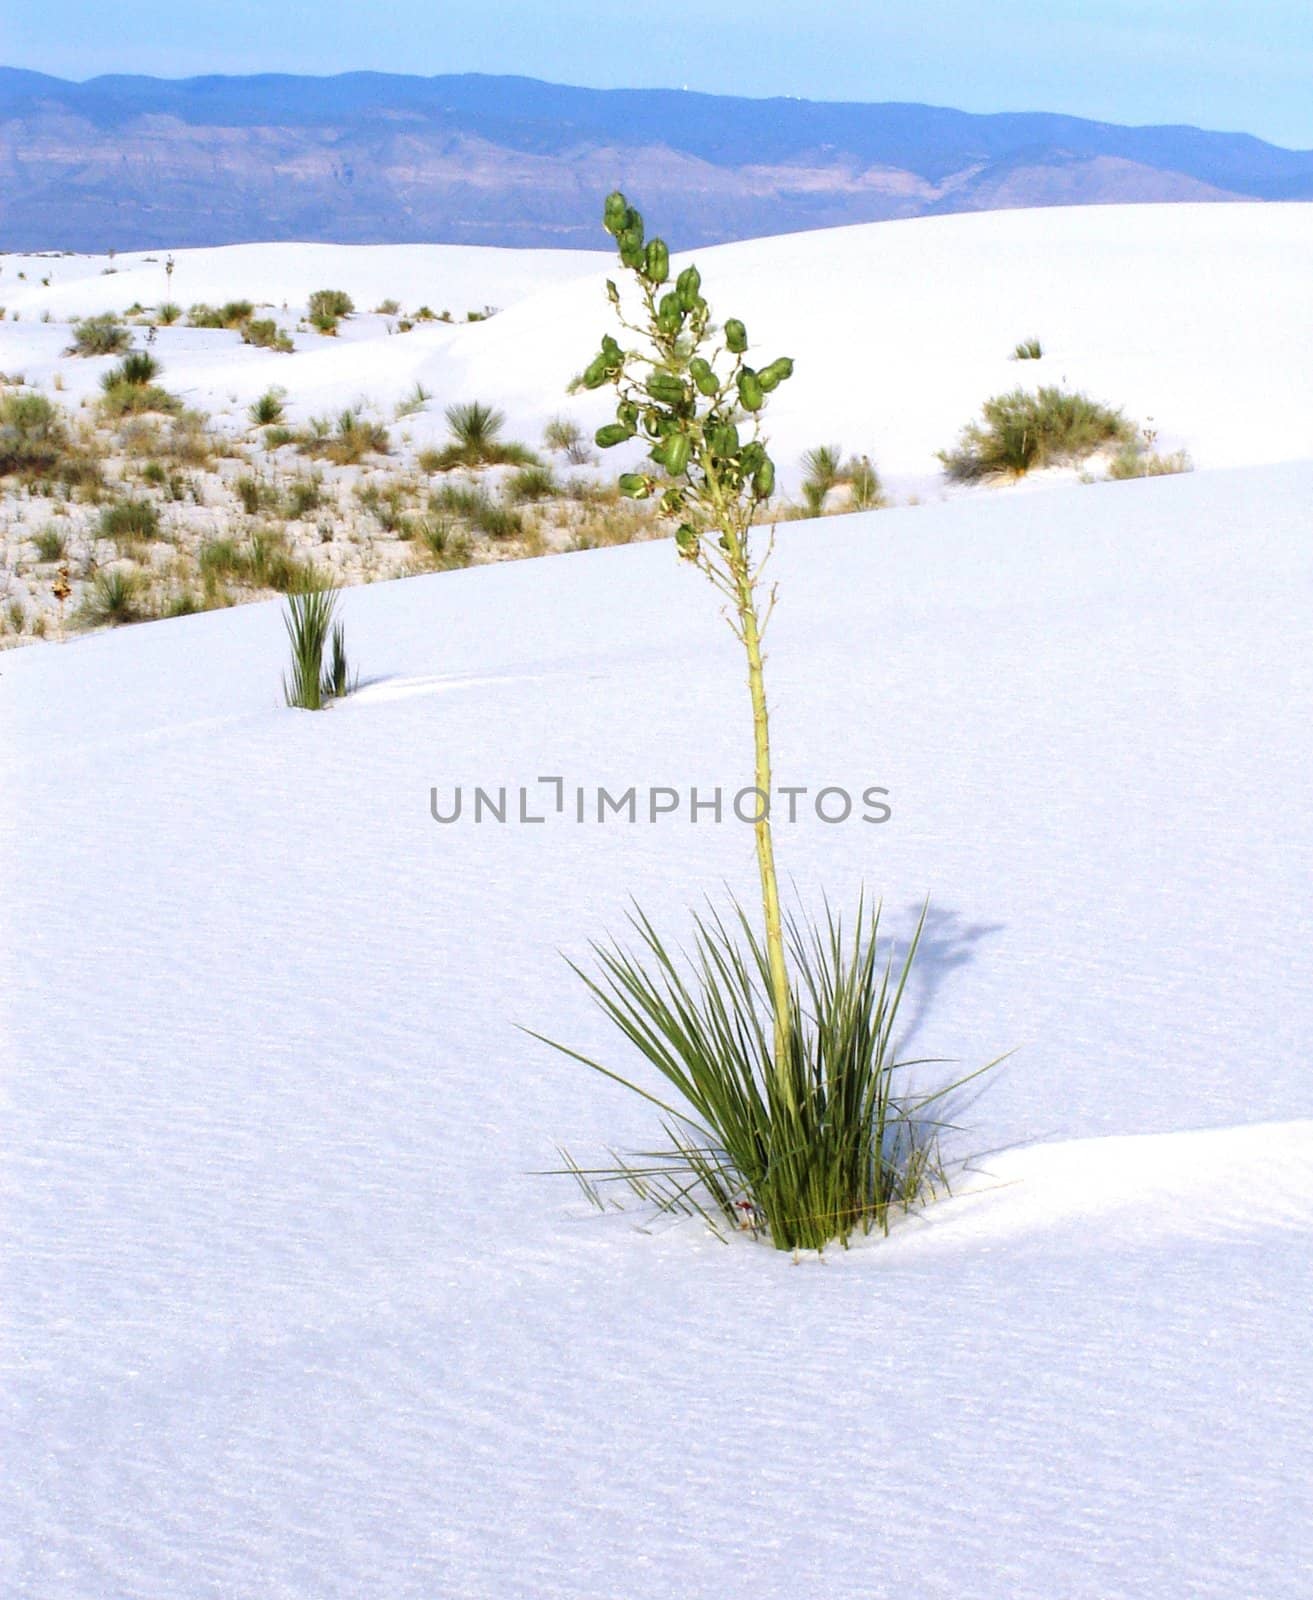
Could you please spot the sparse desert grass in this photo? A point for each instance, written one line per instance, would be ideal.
(1135, 460)
(478, 509)
(168, 313)
(1028, 350)
(564, 436)
(414, 402)
(1021, 432)
(99, 336)
(825, 470)
(347, 443)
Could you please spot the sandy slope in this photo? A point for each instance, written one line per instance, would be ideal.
(288, 1314)
(1193, 318)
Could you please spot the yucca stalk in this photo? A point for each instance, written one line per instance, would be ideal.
(687, 394)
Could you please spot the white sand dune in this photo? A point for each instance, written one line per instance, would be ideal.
(288, 1312)
(1192, 318)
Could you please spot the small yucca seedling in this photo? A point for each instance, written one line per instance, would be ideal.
(311, 630)
(268, 409)
(137, 369)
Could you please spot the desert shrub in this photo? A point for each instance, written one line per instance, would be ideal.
(312, 628)
(168, 313)
(866, 492)
(131, 521)
(1021, 432)
(113, 597)
(268, 408)
(99, 336)
(1028, 350)
(566, 437)
(267, 563)
(233, 314)
(253, 494)
(33, 438)
(483, 315)
(138, 367)
(532, 483)
(476, 441)
(183, 604)
(333, 303)
(388, 308)
(265, 334)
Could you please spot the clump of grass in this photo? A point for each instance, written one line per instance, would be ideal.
(51, 544)
(99, 336)
(821, 467)
(312, 628)
(114, 597)
(1021, 432)
(532, 483)
(476, 441)
(387, 308)
(833, 1148)
(265, 334)
(1028, 350)
(130, 521)
(268, 408)
(168, 313)
(254, 494)
(303, 496)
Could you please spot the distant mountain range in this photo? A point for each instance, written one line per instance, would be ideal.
(127, 162)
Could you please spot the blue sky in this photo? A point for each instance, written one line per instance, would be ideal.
(1216, 63)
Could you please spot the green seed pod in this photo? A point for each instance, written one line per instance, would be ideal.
(676, 452)
(775, 374)
(670, 319)
(687, 285)
(700, 371)
(763, 480)
(613, 433)
(666, 389)
(596, 372)
(750, 392)
(686, 538)
(736, 337)
(615, 213)
(634, 223)
(754, 454)
(627, 412)
(635, 485)
(725, 441)
(656, 269)
(612, 293)
(673, 502)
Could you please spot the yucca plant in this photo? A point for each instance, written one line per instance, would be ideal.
(776, 1037)
(476, 440)
(311, 629)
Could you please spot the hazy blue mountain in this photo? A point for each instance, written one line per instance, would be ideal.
(136, 161)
